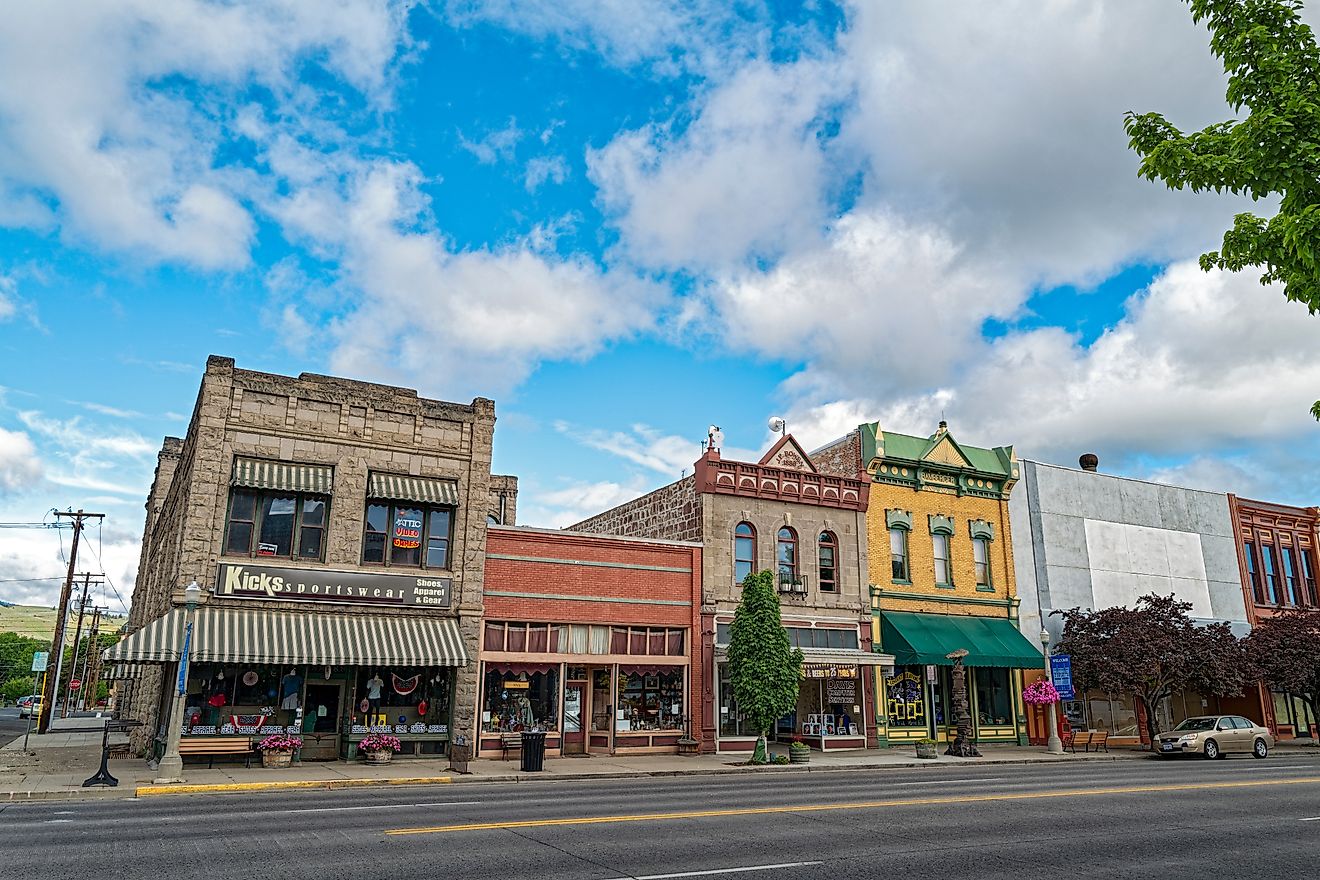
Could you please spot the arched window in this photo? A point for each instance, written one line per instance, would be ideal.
(829, 562)
(744, 551)
(492, 519)
(786, 555)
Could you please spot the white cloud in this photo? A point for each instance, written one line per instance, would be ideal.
(8, 295)
(544, 169)
(88, 144)
(643, 445)
(92, 458)
(496, 146)
(20, 467)
(557, 508)
(33, 562)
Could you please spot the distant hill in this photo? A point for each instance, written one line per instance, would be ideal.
(39, 623)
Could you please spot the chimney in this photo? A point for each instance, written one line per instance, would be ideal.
(1089, 462)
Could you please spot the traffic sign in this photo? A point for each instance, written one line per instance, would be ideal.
(75, 683)
(1061, 675)
(39, 660)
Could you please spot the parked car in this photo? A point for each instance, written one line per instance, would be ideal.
(1215, 736)
(29, 707)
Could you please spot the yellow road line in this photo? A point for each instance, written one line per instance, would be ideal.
(862, 805)
(157, 790)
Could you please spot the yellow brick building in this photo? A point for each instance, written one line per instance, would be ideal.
(940, 571)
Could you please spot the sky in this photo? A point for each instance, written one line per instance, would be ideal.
(624, 221)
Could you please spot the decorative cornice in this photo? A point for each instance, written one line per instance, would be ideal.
(980, 528)
(716, 476)
(940, 524)
(898, 519)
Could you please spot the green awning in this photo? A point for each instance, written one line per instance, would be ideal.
(283, 476)
(918, 639)
(396, 487)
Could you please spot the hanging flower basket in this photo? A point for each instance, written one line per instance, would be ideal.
(1040, 693)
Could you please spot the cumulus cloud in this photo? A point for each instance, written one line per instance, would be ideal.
(556, 508)
(20, 467)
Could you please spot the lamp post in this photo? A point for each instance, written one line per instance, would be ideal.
(1053, 745)
(170, 768)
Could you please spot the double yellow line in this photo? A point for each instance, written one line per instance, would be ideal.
(856, 805)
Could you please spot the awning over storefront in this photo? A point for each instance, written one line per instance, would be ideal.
(926, 638)
(254, 635)
(283, 476)
(121, 672)
(399, 488)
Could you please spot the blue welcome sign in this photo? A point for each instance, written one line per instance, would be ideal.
(1061, 675)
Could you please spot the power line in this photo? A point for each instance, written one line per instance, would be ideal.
(122, 603)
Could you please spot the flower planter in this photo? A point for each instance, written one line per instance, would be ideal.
(799, 756)
(926, 750)
(276, 758)
(378, 756)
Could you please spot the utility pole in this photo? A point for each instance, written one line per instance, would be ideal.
(52, 686)
(77, 638)
(91, 659)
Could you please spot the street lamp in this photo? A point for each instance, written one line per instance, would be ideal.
(170, 768)
(1053, 745)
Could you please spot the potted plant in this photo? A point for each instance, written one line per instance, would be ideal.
(798, 752)
(379, 748)
(925, 748)
(277, 749)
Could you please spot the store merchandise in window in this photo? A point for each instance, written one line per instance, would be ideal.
(405, 699)
(906, 690)
(650, 700)
(520, 697)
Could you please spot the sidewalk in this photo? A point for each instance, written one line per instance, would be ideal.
(63, 760)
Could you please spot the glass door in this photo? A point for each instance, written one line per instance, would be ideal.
(574, 705)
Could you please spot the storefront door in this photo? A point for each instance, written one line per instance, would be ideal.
(321, 716)
(574, 703)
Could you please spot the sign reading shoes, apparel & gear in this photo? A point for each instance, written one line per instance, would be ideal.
(319, 585)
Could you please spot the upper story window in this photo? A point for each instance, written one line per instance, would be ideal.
(1271, 580)
(786, 556)
(744, 551)
(1253, 573)
(275, 524)
(1290, 579)
(829, 562)
(898, 555)
(1308, 577)
(943, 561)
(981, 557)
(406, 535)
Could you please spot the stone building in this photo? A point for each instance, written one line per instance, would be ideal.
(338, 530)
(941, 579)
(781, 514)
(1276, 545)
(1086, 539)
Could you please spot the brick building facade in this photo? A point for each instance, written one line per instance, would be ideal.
(338, 529)
(780, 514)
(591, 638)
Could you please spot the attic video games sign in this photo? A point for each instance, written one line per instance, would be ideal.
(319, 585)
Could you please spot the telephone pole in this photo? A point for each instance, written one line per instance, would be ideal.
(52, 687)
(91, 659)
(77, 643)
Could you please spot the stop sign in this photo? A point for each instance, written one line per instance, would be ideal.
(75, 683)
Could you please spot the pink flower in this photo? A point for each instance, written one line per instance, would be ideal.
(1040, 693)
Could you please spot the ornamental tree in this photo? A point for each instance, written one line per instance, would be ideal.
(1153, 650)
(1286, 648)
(763, 668)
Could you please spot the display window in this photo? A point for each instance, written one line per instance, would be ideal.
(415, 698)
(906, 695)
(650, 699)
(994, 696)
(731, 721)
(519, 697)
(829, 707)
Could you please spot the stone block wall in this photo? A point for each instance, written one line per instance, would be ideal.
(842, 458)
(504, 499)
(672, 513)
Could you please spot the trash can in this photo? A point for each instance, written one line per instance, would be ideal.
(533, 751)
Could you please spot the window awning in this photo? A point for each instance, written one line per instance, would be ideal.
(420, 489)
(283, 476)
(926, 639)
(121, 672)
(254, 635)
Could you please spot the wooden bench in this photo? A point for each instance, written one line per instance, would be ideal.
(510, 742)
(217, 745)
(1099, 739)
(1076, 738)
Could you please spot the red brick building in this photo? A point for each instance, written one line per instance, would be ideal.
(1277, 557)
(590, 638)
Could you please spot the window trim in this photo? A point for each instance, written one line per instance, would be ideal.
(827, 539)
(391, 507)
(982, 545)
(751, 539)
(907, 554)
(1253, 571)
(257, 521)
(935, 539)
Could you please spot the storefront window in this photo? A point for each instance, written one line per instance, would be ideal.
(650, 699)
(564, 638)
(601, 701)
(731, 720)
(520, 697)
(829, 707)
(1118, 715)
(994, 699)
(906, 690)
(413, 694)
(395, 535)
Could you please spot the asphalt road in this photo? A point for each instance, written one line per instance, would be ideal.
(1195, 819)
(11, 726)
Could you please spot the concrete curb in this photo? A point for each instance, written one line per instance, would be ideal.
(286, 785)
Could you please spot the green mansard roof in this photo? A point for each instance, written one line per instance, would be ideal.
(904, 459)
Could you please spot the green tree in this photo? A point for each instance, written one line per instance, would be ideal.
(16, 655)
(18, 686)
(1152, 651)
(1273, 68)
(763, 668)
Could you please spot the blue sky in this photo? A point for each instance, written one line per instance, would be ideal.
(624, 222)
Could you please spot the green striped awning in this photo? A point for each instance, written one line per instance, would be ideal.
(255, 635)
(420, 489)
(121, 672)
(284, 476)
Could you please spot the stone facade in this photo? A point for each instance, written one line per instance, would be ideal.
(503, 500)
(670, 513)
(352, 427)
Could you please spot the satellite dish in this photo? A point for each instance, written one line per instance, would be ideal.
(777, 424)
